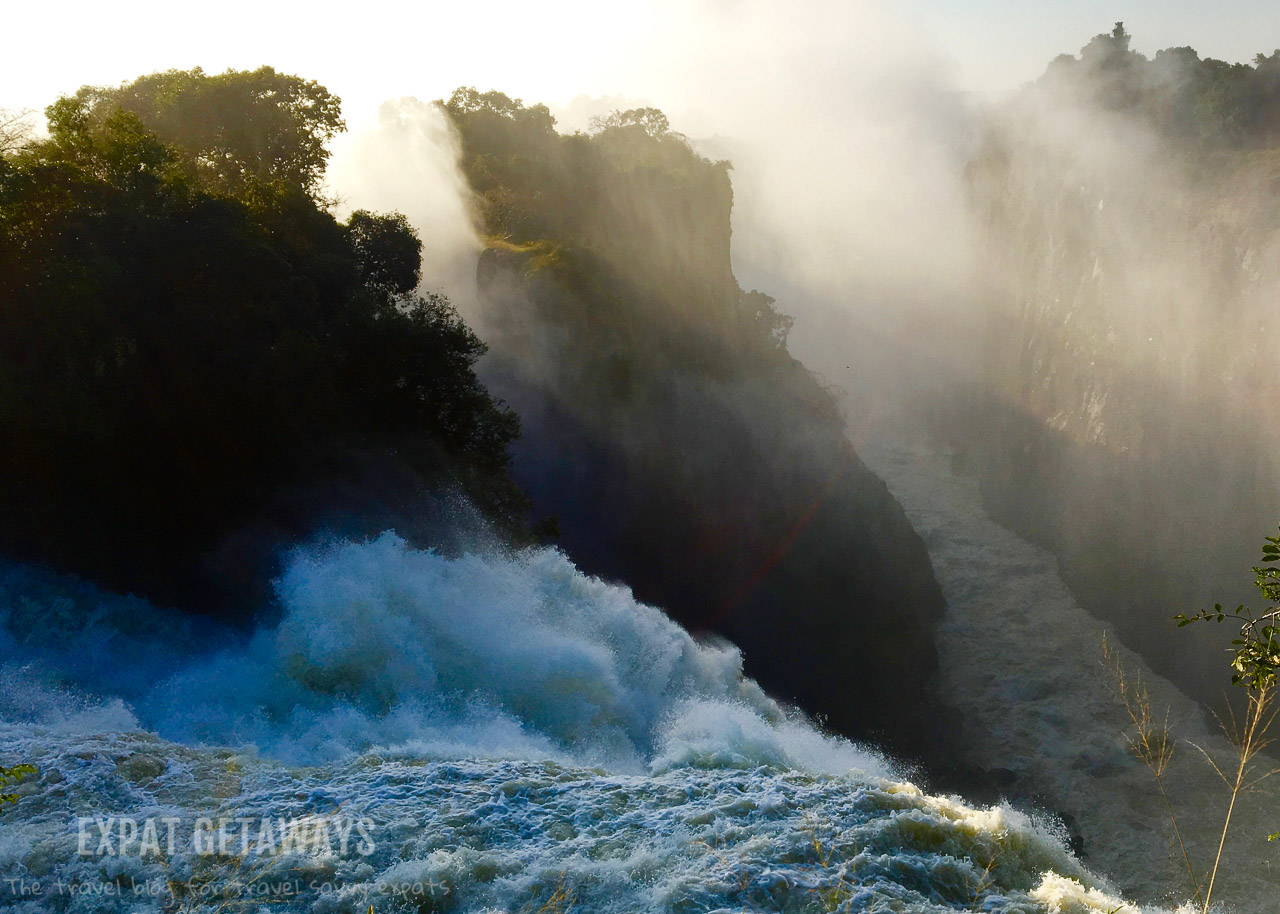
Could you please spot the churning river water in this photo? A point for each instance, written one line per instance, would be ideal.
(505, 734)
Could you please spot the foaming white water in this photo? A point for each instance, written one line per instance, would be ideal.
(1023, 662)
(511, 731)
(385, 647)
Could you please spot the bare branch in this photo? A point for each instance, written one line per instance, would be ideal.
(15, 130)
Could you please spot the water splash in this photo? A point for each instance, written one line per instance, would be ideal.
(515, 731)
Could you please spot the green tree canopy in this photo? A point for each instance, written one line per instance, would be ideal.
(388, 253)
(1189, 99)
(172, 354)
(237, 131)
(651, 120)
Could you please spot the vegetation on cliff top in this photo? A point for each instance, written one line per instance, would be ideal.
(1185, 97)
(632, 196)
(185, 329)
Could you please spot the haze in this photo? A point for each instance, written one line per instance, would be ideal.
(379, 49)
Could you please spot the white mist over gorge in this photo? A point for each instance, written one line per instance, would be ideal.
(674, 457)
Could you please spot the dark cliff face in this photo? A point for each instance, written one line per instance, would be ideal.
(1126, 418)
(684, 452)
(680, 447)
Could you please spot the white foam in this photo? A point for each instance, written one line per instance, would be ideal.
(427, 690)
(385, 647)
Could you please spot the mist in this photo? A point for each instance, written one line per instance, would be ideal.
(1050, 289)
(407, 162)
(849, 138)
(864, 186)
(677, 452)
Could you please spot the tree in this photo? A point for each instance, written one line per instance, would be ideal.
(469, 100)
(1256, 663)
(238, 131)
(767, 324)
(1257, 656)
(118, 150)
(1189, 99)
(174, 355)
(388, 253)
(652, 121)
(15, 130)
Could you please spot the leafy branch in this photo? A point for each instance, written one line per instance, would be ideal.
(15, 130)
(1257, 658)
(1256, 664)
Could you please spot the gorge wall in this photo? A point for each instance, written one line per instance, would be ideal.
(1125, 415)
(676, 443)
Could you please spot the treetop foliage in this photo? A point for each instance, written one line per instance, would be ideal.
(467, 102)
(1257, 648)
(388, 253)
(185, 329)
(633, 195)
(652, 121)
(235, 131)
(537, 184)
(1183, 96)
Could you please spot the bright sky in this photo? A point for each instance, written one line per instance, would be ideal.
(548, 50)
(997, 44)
